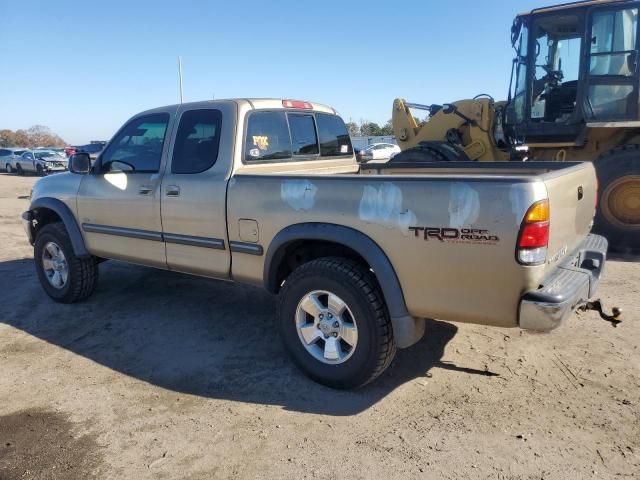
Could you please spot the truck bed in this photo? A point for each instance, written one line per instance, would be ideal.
(393, 204)
(510, 169)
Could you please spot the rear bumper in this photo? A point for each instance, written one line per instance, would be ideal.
(570, 285)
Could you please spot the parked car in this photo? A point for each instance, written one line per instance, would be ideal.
(53, 149)
(41, 162)
(8, 157)
(268, 192)
(378, 151)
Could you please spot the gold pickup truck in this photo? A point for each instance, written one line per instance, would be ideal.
(268, 192)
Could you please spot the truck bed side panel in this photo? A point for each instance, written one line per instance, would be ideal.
(451, 242)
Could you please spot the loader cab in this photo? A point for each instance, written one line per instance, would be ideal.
(575, 64)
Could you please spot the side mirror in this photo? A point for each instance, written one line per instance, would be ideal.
(80, 163)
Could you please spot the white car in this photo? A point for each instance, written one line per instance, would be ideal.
(378, 151)
(41, 162)
(8, 157)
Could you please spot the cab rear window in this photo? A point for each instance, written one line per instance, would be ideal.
(334, 137)
(285, 135)
(303, 134)
(267, 137)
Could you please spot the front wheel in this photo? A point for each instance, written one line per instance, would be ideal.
(19, 169)
(8, 168)
(65, 277)
(334, 323)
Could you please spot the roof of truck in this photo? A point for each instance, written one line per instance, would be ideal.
(571, 5)
(254, 103)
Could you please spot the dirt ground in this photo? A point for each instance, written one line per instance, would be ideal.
(160, 375)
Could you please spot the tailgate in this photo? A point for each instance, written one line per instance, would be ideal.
(572, 199)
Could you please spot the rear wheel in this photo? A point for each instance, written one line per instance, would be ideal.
(334, 323)
(618, 213)
(65, 277)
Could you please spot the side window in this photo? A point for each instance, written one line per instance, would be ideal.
(613, 42)
(138, 147)
(303, 134)
(612, 91)
(4, 153)
(197, 141)
(267, 137)
(334, 137)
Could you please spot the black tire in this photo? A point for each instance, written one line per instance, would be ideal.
(19, 169)
(82, 272)
(8, 168)
(427, 152)
(619, 165)
(358, 288)
(39, 170)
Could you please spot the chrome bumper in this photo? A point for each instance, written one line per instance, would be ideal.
(569, 286)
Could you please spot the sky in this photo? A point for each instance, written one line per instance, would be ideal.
(82, 68)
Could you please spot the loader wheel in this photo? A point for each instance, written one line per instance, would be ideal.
(618, 213)
(334, 322)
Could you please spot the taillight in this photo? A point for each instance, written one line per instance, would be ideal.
(297, 104)
(534, 234)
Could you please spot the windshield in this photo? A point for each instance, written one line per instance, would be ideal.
(557, 56)
(44, 154)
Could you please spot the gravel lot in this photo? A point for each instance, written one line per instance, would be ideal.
(160, 375)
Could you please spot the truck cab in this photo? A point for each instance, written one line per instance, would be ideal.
(576, 64)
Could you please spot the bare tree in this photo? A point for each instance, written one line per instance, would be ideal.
(36, 136)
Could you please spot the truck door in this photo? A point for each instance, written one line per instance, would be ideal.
(194, 189)
(119, 203)
(612, 66)
(555, 56)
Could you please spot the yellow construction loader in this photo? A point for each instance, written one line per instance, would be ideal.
(573, 97)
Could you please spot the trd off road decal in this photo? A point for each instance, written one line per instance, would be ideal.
(455, 235)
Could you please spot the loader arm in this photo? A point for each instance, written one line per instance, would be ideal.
(467, 123)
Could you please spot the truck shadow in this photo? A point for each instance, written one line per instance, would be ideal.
(197, 336)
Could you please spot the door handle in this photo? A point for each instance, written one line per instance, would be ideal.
(145, 190)
(173, 191)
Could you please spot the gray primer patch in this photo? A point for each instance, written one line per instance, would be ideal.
(299, 194)
(383, 206)
(516, 198)
(464, 205)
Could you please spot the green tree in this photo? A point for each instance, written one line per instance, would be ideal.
(387, 130)
(370, 129)
(353, 129)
